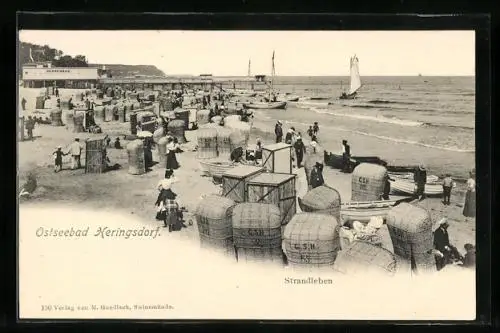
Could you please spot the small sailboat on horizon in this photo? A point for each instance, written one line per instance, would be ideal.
(355, 83)
(272, 99)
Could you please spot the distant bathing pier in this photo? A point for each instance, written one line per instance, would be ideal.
(202, 82)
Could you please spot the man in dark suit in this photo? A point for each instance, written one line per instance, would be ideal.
(442, 244)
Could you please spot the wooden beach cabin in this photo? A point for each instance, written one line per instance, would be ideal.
(277, 158)
(275, 188)
(234, 181)
(95, 154)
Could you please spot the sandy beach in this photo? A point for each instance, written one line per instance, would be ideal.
(135, 195)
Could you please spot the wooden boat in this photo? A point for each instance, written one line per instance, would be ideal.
(319, 98)
(265, 105)
(216, 168)
(409, 176)
(336, 160)
(285, 98)
(409, 187)
(355, 83)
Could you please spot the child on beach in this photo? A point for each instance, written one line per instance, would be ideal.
(315, 128)
(58, 154)
(448, 184)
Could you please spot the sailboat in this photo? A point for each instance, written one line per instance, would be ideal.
(273, 103)
(243, 92)
(355, 80)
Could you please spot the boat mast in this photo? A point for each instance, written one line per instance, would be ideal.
(271, 90)
(249, 63)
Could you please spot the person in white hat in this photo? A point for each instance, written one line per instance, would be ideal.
(58, 154)
(442, 244)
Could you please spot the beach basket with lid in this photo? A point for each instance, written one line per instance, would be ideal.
(214, 219)
(310, 160)
(108, 112)
(410, 228)
(136, 160)
(78, 119)
(162, 150)
(158, 134)
(202, 117)
(224, 142)
(216, 120)
(257, 232)
(183, 115)
(237, 139)
(362, 257)
(55, 117)
(121, 113)
(368, 182)
(99, 114)
(311, 240)
(322, 200)
(207, 143)
(68, 118)
(176, 127)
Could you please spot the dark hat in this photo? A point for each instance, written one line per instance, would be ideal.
(319, 164)
(168, 173)
(344, 141)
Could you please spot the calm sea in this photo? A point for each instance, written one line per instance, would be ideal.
(436, 112)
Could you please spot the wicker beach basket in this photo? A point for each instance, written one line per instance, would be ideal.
(121, 113)
(410, 228)
(68, 119)
(162, 150)
(311, 240)
(240, 126)
(322, 200)
(237, 139)
(108, 113)
(368, 182)
(207, 143)
(136, 160)
(216, 120)
(362, 258)
(78, 119)
(55, 117)
(176, 127)
(158, 134)
(224, 143)
(310, 160)
(183, 115)
(99, 114)
(213, 217)
(257, 232)
(202, 117)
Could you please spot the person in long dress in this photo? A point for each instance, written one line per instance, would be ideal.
(470, 197)
(168, 208)
(171, 163)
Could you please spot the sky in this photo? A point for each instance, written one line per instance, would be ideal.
(297, 53)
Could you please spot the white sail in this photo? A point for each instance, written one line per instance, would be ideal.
(355, 78)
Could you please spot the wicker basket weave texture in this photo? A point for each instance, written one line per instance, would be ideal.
(322, 199)
(311, 239)
(78, 119)
(136, 162)
(202, 117)
(55, 117)
(223, 142)
(239, 126)
(310, 160)
(176, 127)
(213, 216)
(207, 143)
(256, 226)
(162, 150)
(410, 228)
(368, 182)
(266, 255)
(425, 263)
(121, 113)
(362, 257)
(68, 118)
(99, 114)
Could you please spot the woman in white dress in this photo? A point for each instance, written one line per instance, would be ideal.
(470, 197)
